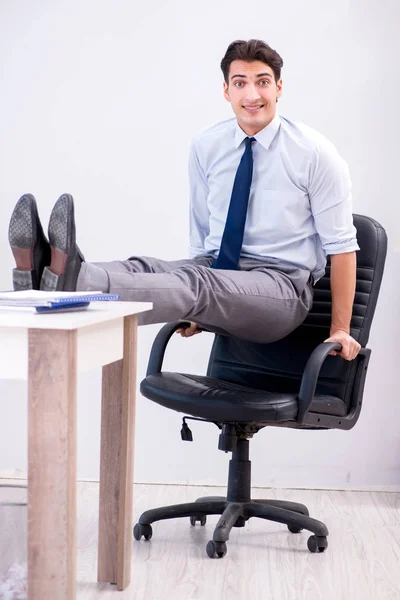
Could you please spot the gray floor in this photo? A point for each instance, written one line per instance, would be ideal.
(264, 560)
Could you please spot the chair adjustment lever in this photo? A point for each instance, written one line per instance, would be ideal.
(186, 433)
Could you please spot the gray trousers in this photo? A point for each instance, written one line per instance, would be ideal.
(263, 301)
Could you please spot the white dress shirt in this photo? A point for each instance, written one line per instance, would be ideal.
(300, 205)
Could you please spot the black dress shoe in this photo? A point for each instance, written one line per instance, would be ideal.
(66, 258)
(29, 245)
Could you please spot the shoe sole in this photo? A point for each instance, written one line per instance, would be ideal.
(22, 233)
(61, 232)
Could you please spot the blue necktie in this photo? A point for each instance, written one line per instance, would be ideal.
(232, 238)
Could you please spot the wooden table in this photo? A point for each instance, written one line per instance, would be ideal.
(49, 350)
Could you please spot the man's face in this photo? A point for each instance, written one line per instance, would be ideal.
(252, 92)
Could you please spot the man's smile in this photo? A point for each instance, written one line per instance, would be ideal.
(253, 109)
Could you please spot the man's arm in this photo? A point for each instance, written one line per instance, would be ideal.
(343, 286)
(198, 218)
(331, 205)
(199, 213)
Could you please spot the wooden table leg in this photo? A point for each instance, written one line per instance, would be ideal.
(116, 463)
(52, 465)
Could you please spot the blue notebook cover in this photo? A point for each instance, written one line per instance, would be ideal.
(84, 298)
(62, 307)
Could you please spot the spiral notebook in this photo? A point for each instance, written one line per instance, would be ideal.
(43, 302)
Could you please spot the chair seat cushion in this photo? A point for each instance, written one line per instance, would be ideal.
(218, 400)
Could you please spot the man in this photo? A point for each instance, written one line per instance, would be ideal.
(269, 200)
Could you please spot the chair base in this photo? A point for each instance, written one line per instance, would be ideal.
(235, 514)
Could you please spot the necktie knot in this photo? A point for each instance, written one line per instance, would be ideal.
(249, 141)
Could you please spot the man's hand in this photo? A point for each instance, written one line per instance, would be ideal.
(189, 331)
(350, 347)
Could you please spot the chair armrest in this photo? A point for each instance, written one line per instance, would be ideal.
(312, 370)
(311, 374)
(160, 343)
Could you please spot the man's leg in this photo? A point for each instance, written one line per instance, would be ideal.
(261, 303)
(94, 276)
(258, 303)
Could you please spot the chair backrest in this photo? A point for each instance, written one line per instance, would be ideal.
(279, 366)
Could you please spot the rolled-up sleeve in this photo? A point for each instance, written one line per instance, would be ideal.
(198, 209)
(331, 200)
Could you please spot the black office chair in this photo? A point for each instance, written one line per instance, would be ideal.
(293, 382)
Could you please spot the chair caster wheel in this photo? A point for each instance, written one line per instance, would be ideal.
(317, 543)
(202, 520)
(294, 528)
(214, 549)
(142, 530)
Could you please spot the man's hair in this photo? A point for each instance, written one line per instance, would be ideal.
(250, 51)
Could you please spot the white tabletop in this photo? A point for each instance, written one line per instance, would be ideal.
(99, 334)
(97, 312)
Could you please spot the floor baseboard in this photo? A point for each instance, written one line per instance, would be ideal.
(347, 488)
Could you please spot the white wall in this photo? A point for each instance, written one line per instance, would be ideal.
(101, 99)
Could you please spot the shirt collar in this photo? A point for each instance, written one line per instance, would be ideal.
(264, 137)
